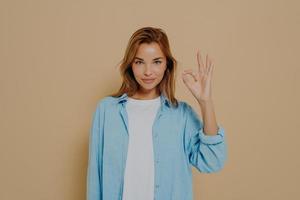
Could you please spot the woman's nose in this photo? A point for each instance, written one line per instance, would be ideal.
(147, 70)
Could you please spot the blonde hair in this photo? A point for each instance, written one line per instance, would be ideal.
(129, 84)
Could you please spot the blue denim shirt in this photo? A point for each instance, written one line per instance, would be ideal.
(178, 143)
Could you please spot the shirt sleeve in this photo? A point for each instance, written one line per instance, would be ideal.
(208, 153)
(95, 156)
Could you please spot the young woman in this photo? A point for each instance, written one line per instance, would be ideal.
(143, 141)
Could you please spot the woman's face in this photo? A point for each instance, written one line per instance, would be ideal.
(149, 66)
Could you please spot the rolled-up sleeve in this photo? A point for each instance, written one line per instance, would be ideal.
(208, 153)
(93, 184)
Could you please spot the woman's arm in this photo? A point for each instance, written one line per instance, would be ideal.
(93, 184)
(209, 117)
(207, 149)
(207, 153)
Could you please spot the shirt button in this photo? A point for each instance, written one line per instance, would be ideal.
(157, 186)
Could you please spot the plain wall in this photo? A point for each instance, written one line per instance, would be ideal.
(59, 57)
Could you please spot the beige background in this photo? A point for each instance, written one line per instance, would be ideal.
(58, 58)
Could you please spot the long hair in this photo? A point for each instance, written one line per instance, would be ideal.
(129, 84)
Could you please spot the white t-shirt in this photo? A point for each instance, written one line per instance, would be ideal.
(139, 170)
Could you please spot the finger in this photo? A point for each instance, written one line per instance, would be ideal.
(209, 70)
(212, 68)
(200, 63)
(192, 73)
(206, 63)
(208, 66)
(187, 70)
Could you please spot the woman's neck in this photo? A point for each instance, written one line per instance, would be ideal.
(145, 96)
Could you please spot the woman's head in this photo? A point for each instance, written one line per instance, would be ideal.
(148, 56)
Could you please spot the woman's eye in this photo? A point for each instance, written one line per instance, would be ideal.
(138, 62)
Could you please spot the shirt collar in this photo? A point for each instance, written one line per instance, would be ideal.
(163, 99)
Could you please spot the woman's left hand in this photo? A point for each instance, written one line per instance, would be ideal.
(199, 82)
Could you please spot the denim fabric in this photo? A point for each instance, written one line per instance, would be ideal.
(178, 144)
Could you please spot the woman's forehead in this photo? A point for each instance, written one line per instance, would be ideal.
(149, 51)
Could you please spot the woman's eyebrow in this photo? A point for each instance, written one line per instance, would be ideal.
(143, 59)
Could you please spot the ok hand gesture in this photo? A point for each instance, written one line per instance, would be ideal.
(199, 82)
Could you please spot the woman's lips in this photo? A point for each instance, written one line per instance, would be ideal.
(148, 80)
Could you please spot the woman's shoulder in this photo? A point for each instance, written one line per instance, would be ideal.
(182, 104)
(182, 108)
(186, 109)
(106, 101)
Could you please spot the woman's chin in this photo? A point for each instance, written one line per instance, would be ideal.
(148, 87)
